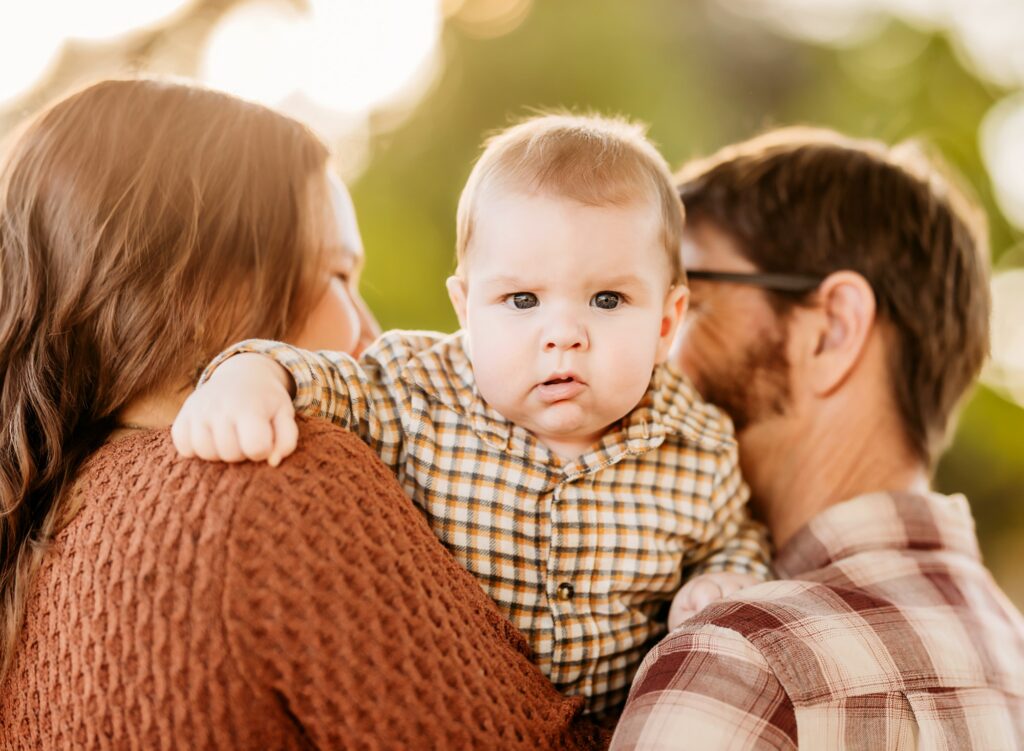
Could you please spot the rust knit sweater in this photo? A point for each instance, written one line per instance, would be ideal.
(194, 605)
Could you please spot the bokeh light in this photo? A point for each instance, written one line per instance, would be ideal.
(1002, 147)
(256, 52)
(28, 50)
(103, 19)
(32, 37)
(991, 35)
(988, 33)
(362, 54)
(485, 19)
(331, 65)
(1005, 371)
(345, 56)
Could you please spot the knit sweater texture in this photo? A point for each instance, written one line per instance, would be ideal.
(204, 605)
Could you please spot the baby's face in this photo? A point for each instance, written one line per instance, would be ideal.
(568, 309)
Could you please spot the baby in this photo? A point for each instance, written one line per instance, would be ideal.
(552, 451)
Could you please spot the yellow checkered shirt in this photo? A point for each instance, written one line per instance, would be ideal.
(584, 556)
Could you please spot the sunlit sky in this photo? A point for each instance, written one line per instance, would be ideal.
(334, 63)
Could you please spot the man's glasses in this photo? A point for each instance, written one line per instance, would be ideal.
(796, 283)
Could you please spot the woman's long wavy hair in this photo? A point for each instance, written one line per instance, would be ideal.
(144, 226)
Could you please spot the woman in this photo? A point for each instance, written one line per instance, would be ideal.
(149, 601)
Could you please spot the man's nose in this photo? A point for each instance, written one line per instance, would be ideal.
(565, 332)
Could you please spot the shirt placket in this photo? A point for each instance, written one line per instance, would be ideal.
(575, 647)
(564, 588)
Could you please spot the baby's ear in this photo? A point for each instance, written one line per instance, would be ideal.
(671, 316)
(457, 294)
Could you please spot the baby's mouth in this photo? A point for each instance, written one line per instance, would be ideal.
(555, 381)
(560, 388)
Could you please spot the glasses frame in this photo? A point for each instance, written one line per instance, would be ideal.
(793, 283)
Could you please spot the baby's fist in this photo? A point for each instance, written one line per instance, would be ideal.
(702, 590)
(243, 412)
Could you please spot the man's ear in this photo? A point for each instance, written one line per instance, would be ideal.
(457, 294)
(671, 315)
(846, 306)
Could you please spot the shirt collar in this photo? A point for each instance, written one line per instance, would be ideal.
(880, 521)
(670, 406)
(444, 372)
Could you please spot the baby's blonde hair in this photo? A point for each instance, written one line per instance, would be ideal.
(591, 159)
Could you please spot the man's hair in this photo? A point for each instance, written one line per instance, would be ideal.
(594, 160)
(811, 201)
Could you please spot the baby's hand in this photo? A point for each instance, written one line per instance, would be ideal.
(243, 412)
(702, 590)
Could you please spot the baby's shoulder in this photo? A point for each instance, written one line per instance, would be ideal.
(395, 348)
(683, 411)
(433, 363)
(396, 353)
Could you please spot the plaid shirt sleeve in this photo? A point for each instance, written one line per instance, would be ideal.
(706, 687)
(359, 396)
(735, 542)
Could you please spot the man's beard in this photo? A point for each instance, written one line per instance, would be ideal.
(754, 386)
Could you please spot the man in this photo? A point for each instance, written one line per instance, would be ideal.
(839, 312)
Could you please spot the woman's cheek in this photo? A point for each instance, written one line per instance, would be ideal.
(368, 328)
(333, 324)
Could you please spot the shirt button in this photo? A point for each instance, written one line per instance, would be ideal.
(565, 591)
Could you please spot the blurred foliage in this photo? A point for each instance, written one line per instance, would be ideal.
(701, 78)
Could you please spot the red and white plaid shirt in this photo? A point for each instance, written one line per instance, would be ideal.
(887, 633)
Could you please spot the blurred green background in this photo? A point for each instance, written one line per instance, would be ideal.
(702, 74)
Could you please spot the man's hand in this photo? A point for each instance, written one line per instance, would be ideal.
(244, 411)
(702, 590)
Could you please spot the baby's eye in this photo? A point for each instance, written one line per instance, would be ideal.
(606, 300)
(522, 300)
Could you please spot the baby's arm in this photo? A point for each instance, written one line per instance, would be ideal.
(244, 407)
(735, 553)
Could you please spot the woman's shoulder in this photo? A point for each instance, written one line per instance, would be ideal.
(147, 465)
(332, 488)
(138, 488)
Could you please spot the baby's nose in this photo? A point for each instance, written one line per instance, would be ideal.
(565, 334)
